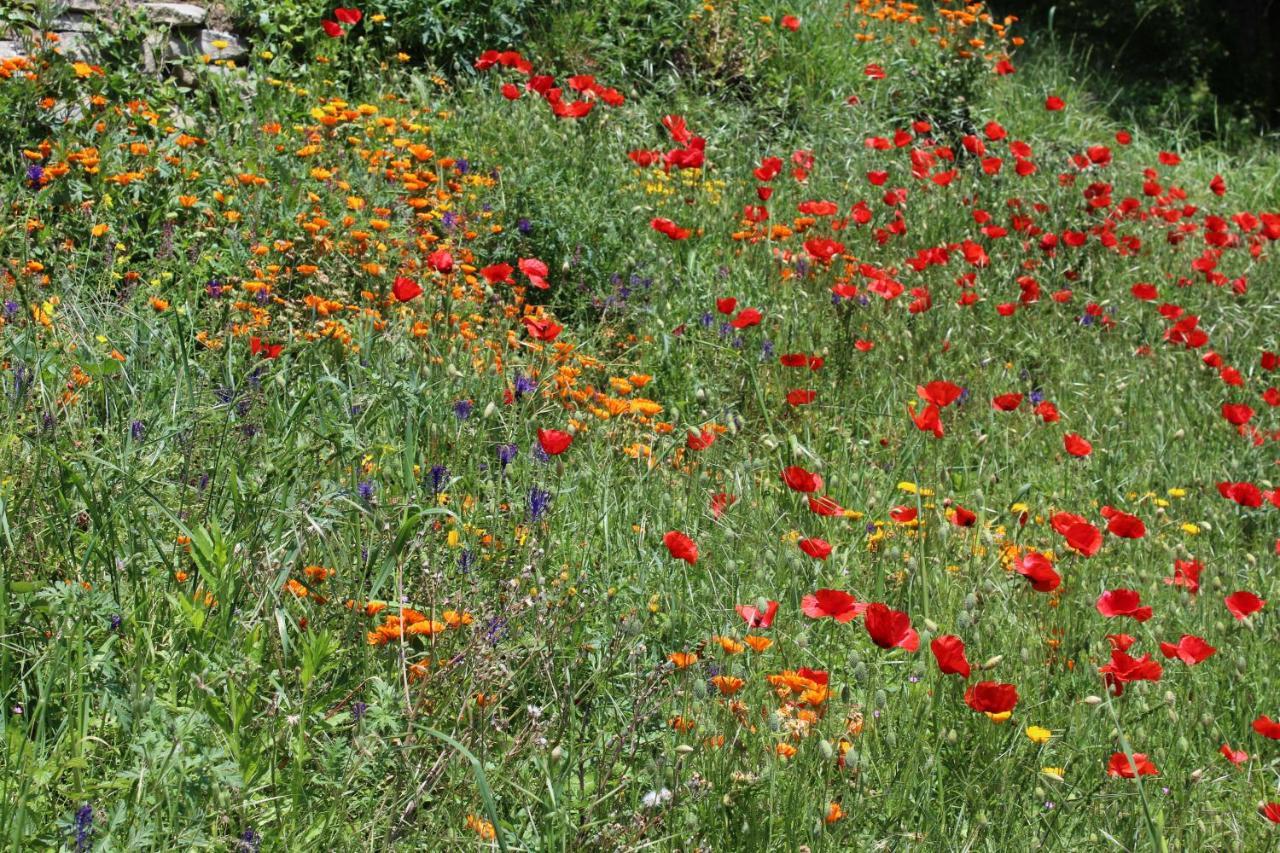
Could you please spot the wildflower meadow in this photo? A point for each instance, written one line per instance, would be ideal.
(636, 425)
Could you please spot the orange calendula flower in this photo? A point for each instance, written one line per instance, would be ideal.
(727, 684)
(757, 644)
(481, 827)
(683, 659)
(784, 750)
(730, 645)
(834, 813)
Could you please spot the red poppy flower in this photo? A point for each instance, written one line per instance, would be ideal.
(1243, 603)
(962, 517)
(939, 393)
(1122, 524)
(681, 547)
(1130, 767)
(948, 650)
(553, 441)
(1123, 602)
(1235, 756)
(800, 480)
(1076, 445)
(405, 289)
(929, 419)
(1053, 103)
(1121, 642)
(1047, 412)
(1190, 649)
(834, 603)
(258, 347)
(1186, 573)
(825, 506)
(1245, 494)
(1271, 811)
(348, 16)
(441, 261)
(333, 29)
(536, 271)
(1036, 568)
(541, 330)
(1006, 402)
(889, 628)
(511, 91)
(700, 440)
(904, 514)
(1081, 536)
(1124, 669)
(720, 502)
(1144, 291)
(819, 549)
(756, 619)
(495, 273)
(746, 318)
(1237, 414)
(801, 397)
(726, 305)
(1267, 727)
(666, 226)
(789, 22)
(991, 697)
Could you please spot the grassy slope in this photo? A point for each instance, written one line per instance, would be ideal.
(188, 724)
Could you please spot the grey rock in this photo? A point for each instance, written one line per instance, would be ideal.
(73, 46)
(176, 14)
(10, 50)
(81, 5)
(211, 39)
(76, 22)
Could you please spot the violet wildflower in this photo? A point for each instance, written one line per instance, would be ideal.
(507, 454)
(539, 501)
(84, 827)
(365, 489)
(462, 409)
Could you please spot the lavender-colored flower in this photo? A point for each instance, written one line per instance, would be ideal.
(737, 343)
(84, 827)
(766, 349)
(964, 397)
(539, 501)
(439, 476)
(1086, 320)
(365, 489)
(358, 710)
(463, 165)
(116, 621)
(706, 320)
(465, 560)
(137, 430)
(495, 630)
(10, 309)
(524, 226)
(864, 300)
(539, 454)
(524, 385)
(1036, 396)
(449, 220)
(802, 267)
(462, 409)
(507, 454)
(250, 841)
(35, 176)
(213, 288)
(224, 395)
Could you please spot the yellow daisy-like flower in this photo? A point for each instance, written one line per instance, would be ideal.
(1038, 734)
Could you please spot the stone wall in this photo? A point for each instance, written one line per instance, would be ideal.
(175, 30)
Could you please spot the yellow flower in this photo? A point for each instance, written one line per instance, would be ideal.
(1038, 734)
(1000, 718)
(1055, 773)
(1190, 529)
(1177, 493)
